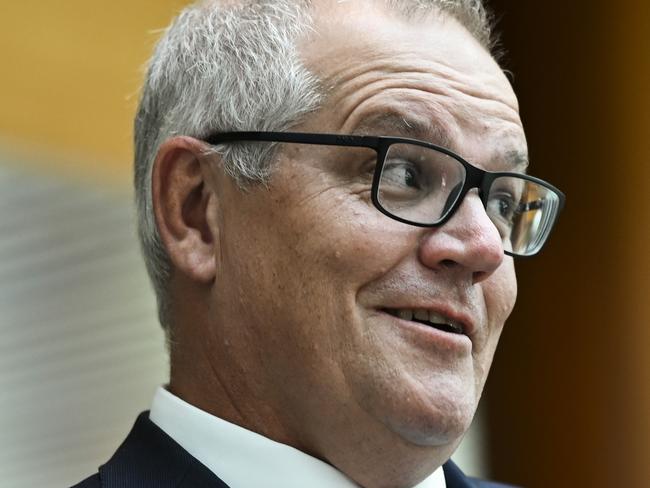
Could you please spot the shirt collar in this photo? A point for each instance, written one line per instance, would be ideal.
(244, 459)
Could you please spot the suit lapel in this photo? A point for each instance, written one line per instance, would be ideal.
(160, 461)
(455, 478)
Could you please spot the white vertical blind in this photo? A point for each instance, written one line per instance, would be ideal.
(81, 352)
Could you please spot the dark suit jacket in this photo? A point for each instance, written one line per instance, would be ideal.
(149, 458)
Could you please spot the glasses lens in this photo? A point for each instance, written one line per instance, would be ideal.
(524, 213)
(419, 184)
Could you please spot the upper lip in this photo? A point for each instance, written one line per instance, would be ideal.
(453, 315)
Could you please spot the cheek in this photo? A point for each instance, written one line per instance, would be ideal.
(504, 294)
(332, 254)
(500, 294)
(345, 241)
(291, 263)
(301, 257)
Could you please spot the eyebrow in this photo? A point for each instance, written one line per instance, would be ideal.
(398, 125)
(518, 160)
(392, 124)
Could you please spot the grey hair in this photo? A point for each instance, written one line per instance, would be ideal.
(472, 14)
(228, 65)
(218, 67)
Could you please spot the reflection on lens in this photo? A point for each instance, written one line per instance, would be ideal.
(523, 211)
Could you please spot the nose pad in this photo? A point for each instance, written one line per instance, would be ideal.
(468, 240)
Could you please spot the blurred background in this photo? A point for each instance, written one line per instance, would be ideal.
(568, 400)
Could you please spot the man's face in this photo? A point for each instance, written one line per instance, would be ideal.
(308, 269)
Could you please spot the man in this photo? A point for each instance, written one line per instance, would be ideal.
(334, 284)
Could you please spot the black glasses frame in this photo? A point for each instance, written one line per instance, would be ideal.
(475, 177)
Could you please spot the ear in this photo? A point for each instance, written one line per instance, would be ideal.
(184, 204)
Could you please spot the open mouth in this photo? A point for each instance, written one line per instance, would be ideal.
(426, 317)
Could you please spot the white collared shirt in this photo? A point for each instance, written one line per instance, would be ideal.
(244, 459)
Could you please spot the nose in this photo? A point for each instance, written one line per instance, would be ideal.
(468, 241)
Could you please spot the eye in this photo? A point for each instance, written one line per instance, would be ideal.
(418, 183)
(502, 205)
(402, 173)
(502, 208)
(505, 198)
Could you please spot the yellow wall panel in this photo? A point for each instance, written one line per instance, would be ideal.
(71, 73)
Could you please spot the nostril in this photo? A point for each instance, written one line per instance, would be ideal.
(448, 263)
(479, 276)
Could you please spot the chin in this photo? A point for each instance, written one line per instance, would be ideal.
(425, 398)
(439, 417)
(437, 429)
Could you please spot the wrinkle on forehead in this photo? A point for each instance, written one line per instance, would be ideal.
(434, 74)
(350, 39)
(433, 112)
(414, 63)
(349, 80)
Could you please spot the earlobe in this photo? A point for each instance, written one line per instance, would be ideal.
(184, 201)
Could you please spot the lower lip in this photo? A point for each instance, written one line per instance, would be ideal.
(428, 335)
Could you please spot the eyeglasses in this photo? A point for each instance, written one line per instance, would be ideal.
(422, 184)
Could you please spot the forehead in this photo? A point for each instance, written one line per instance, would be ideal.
(428, 71)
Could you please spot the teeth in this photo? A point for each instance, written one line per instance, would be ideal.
(405, 314)
(422, 315)
(428, 316)
(436, 318)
